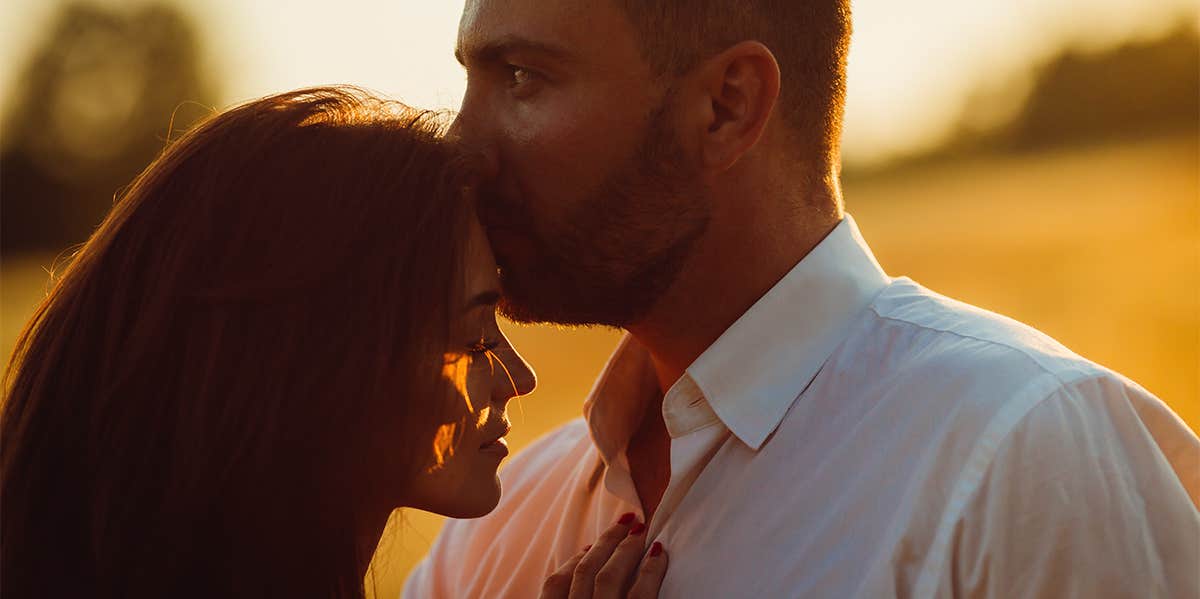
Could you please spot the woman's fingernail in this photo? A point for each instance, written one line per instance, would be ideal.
(655, 549)
(627, 518)
(585, 549)
(637, 529)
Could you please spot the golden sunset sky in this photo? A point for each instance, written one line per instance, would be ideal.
(912, 66)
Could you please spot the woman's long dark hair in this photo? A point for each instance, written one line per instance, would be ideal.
(241, 366)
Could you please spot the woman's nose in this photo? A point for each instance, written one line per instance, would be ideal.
(515, 378)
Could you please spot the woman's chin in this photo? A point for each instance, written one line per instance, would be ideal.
(485, 501)
(471, 503)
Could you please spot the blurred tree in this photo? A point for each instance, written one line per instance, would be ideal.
(92, 107)
(1134, 90)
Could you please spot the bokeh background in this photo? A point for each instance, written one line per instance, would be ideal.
(1034, 157)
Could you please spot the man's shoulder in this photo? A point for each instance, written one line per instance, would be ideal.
(985, 376)
(943, 335)
(977, 372)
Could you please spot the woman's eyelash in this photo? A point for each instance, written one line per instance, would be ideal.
(483, 346)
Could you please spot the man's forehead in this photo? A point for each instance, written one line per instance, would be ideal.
(569, 24)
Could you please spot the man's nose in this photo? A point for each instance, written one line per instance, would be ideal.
(471, 130)
(455, 131)
(483, 155)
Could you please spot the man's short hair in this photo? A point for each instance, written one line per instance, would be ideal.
(809, 38)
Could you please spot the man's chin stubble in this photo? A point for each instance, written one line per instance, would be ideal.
(552, 293)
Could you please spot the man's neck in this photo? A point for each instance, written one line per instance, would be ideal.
(745, 252)
(730, 269)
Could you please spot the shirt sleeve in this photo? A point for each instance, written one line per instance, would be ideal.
(1093, 494)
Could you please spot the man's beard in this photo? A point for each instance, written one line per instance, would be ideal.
(617, 251)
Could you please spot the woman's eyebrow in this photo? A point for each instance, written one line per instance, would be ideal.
(486, 298)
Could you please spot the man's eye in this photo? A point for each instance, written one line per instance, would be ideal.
(519, 76)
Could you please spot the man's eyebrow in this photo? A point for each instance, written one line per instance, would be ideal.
(493, 51)
(486, 298)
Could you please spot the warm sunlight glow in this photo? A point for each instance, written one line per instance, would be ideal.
(912, 64)
(1037, 158)
(457, 367)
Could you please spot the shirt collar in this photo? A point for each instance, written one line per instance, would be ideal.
(614, 407)
(757, 368)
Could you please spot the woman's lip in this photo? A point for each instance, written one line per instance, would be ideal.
(498, 447)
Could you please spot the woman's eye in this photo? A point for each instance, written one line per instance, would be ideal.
(482, 346)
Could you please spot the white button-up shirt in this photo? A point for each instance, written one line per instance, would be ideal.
(856, 436)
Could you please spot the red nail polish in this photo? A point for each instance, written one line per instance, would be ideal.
(637, 529)
(585, 549)
(627, 518)
(655, 549)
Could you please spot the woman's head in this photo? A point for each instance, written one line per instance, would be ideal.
(482, 370)
(254, 357)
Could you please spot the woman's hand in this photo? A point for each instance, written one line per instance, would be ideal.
(609, 568)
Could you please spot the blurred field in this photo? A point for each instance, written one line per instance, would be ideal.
(1098, 247)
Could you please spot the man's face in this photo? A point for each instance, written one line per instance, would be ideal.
(594, 208)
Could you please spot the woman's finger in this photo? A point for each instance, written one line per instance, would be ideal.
(650, 574)
(558, 584)
(584, 580)
(616, 575)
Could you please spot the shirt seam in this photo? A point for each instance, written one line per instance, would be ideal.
(1094, 373)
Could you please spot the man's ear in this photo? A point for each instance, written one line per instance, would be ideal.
(739, 87)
